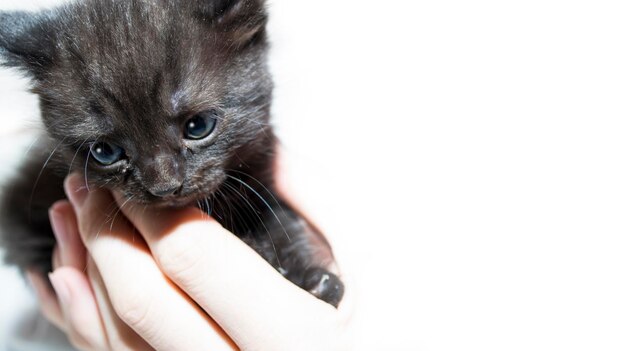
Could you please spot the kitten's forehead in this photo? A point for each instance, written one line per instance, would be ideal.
(138, 59)
(133, 60)
(127, 66)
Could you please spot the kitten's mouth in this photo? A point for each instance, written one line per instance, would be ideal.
(192, 196)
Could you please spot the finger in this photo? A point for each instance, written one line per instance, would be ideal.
(71, 251)
(139, 293)
(56, 258)
(47, 299)
(227, 278)
(77, 301)
(120, 336)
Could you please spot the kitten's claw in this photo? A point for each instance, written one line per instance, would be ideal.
(324, 285)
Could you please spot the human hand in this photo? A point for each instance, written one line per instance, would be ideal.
(173, 280)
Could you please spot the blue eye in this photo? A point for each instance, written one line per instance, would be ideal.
(200, 126)
(106, 154)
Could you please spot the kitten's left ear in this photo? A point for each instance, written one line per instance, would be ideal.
(243, 21)
(25, 41)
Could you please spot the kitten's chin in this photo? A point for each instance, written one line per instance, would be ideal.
(174, 202)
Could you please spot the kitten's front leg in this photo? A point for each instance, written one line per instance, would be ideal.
(299, 252)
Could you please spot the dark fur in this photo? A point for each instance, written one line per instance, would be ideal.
(131, 72)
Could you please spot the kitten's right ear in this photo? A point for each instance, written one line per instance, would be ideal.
(25, 41)
(243, 21)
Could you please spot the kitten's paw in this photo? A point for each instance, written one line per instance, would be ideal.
(324, 285)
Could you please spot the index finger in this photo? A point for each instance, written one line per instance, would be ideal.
(229, 280)
(137, 289)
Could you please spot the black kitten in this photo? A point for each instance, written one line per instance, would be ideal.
(168, 102)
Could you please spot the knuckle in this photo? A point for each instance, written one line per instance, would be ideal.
(179, 255)
(133, 308)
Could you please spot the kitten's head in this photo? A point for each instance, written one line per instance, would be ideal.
(156, 98)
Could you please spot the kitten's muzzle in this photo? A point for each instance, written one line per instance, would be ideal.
(163, 175)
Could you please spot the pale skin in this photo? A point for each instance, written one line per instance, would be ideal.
(173, 280)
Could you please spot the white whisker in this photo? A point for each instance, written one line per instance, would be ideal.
(259, 218)
(265, 202)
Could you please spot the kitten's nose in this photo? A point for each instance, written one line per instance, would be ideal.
(165, 192)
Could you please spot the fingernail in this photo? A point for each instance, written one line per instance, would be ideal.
(63, 292)
(76, 189)
(59, 227)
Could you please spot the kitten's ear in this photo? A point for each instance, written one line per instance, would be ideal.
(25, 41)
(243, 21)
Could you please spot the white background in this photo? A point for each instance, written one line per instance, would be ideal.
(467, 159)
